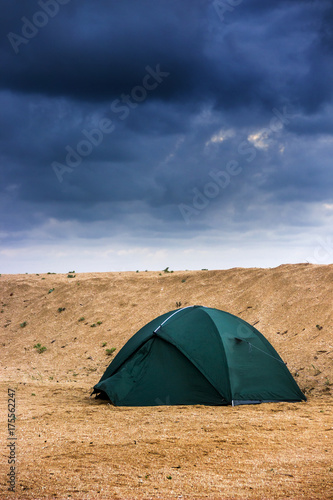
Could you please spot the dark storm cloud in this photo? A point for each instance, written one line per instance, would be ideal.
(224, 83)
(96, 52)
(90, 52)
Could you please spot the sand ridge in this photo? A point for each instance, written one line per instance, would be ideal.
(71, 446)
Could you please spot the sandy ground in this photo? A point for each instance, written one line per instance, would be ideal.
(71, 446)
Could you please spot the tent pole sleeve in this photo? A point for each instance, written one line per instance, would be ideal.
(182, 309)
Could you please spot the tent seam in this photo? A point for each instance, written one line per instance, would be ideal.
(195, 365)
(223, 348)
(198, 366)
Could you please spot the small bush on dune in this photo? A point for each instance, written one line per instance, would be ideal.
(40, 348)
(110, 351)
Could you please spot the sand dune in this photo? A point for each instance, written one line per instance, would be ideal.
(69, 444)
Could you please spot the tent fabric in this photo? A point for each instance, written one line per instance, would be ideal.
(197, 355)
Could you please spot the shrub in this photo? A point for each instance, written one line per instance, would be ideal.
(40, 348)
(60, 309)
(110, 351)
(166, 270)
(81, 319)
(22, 325)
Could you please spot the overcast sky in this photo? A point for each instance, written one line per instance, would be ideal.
(151, 133)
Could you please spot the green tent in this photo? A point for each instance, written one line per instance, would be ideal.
(197, 355)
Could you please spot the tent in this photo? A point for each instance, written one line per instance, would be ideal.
(197, 355)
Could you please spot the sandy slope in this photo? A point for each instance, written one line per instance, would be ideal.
(72, 446)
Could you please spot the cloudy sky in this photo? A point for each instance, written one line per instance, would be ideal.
(151, 133)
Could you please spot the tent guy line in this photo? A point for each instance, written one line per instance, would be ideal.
(276, 359)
